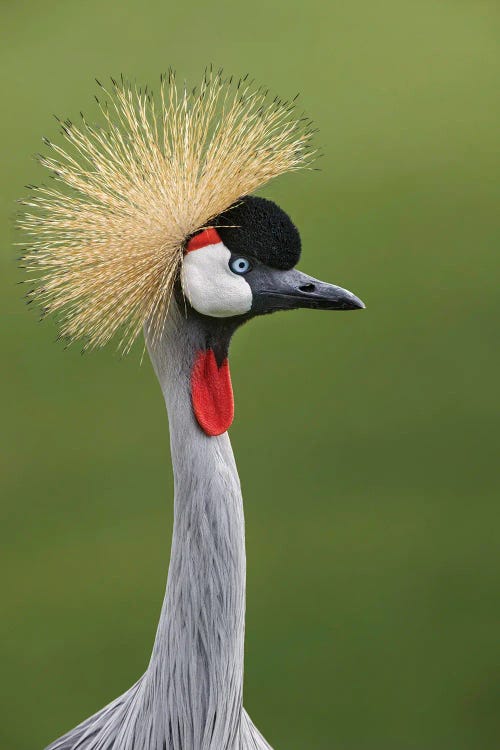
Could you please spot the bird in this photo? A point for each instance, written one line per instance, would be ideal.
(153, 224)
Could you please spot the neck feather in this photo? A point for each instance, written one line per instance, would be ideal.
(196, 669)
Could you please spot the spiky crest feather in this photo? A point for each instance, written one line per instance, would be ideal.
(106, 243)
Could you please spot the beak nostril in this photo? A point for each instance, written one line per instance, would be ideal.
(307, 288)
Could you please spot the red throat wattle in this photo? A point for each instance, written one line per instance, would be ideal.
(212, 393)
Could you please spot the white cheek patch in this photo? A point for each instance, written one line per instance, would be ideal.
(210, 285)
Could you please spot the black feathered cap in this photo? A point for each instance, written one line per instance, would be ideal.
(258, 227)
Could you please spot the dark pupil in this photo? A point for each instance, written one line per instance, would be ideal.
(241, 264)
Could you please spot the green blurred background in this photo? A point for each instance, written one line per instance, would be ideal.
(366, 443)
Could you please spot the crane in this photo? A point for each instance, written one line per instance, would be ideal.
(156, 226)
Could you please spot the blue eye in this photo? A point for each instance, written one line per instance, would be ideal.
(240, 265)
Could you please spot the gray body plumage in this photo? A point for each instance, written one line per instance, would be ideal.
(190, 697)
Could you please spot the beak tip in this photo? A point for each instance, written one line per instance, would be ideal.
(357, 304)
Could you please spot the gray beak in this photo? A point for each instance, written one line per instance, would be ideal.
(288, 290)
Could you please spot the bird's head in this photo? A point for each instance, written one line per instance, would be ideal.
(244, 265)
(156, 203)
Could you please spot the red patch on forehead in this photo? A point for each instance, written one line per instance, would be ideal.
(209, 236)
(212, 394)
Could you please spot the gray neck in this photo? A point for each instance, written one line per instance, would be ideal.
(196, 669)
